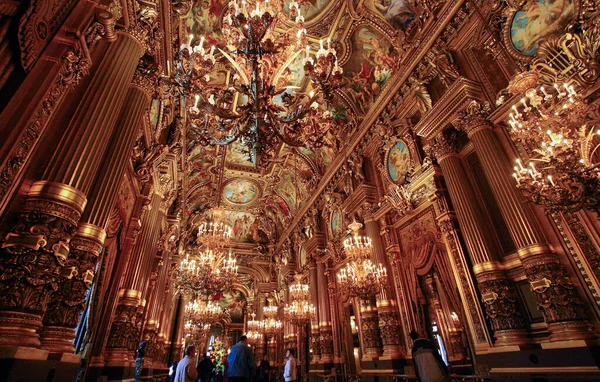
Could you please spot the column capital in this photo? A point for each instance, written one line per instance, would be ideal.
(474, 118)
(443, 146)
(146, 29)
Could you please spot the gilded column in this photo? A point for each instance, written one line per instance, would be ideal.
(35, 253)
(555, 294)
(387, 307)
(369, 329)
(324, 317)
(125, 329)
(68, 301)
(314, 326)
(499, 294)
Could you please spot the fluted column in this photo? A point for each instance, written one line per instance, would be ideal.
(124, 331)
(36, 251)
(324, 317)
(314, 325)
(68, 301)
(499, 294)
(387, 307)
(555, 294)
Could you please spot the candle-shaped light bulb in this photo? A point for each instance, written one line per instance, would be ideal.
(551, 181)
(212, 50)
(196, 101)
(190, 39)
(328, 43)
(321, 44)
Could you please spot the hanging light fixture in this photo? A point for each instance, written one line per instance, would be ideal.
(200, 313)
(256, 106)
(207, 273)
(553, 126)
(300, 311)
(360, 277)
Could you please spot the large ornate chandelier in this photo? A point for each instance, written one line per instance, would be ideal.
(271, 325)
(254, 329)
(207, 273)
(200, 312)
(300, 312)
(553, 125)
(194, 333)
(360, 277)
(256, 106)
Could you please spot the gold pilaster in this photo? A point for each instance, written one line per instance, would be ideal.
(499, 295)
(549, 281)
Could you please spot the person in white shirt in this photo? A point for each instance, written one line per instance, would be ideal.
(186, 369)
(289, 372)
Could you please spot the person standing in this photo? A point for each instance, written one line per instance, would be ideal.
(186, 369)
(139, 361)
(205, 369)
(263, 370)
(429, 365)
(172, 371)
(289, 372)
(240, 361)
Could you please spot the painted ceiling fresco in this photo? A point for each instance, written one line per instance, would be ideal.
(261, 202)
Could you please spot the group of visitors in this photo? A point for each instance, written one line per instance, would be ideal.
(239, 366)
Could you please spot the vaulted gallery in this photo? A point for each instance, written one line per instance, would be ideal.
(393, 190)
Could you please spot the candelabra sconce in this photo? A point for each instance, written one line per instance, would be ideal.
(552, 124)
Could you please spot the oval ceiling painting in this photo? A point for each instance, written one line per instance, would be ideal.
(538, 20)
(240, 191)
(398, 162)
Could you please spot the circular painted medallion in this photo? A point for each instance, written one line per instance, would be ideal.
(240, 191)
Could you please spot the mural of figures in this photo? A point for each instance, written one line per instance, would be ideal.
(204, 19)
(399, 13)
(370, 65)
(237, 154)
(398, 162)
(240, 191)
(287, 189)
(234, 303)
(308, 8)
(538, 20)
(240, 223)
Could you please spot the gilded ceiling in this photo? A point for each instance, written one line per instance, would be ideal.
(261, 202)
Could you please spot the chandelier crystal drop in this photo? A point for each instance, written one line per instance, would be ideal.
(256, 106)
(553, 125)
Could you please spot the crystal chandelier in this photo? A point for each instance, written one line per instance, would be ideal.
(195, 333)
(357, 247)
(256, 106)
(214, 235)
(272, 327)
(270, 311)
(207, 273)
(360, 277)
(553, 126)
(201, 313)
(300, 312)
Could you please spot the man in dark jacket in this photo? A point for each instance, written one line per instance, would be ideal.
(263, 370)
(241, 362)
(205, 369)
